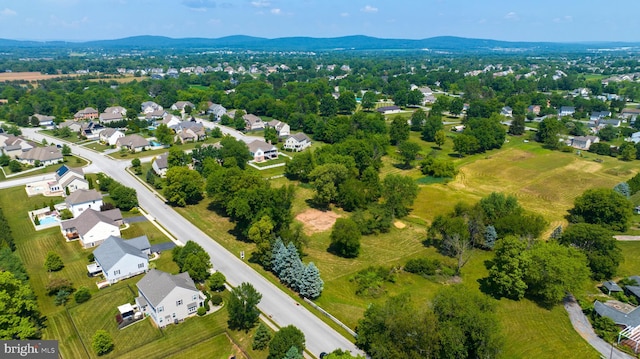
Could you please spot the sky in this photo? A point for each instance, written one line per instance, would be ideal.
(510, 20)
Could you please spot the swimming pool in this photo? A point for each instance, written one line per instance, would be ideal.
(50, 219)
(155, 143)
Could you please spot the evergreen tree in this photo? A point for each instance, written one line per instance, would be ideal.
(490, 236)
(53, 262)
(623, 188)
(311, 284)
(293, 353)
(557, 232)
(293, 268)
(261, 338)
(278, 255)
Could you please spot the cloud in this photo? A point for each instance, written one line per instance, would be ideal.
(8, 12)
(344, 14)
(564, 19)
(199, 5)
(369, 9)
(512, 16)
(276, 11)
(260, 3)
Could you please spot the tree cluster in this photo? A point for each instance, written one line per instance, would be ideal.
(192, 258)
(460, 323)
(286, 264)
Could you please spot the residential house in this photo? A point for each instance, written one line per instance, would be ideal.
(189, 131)
(282, 128)
(625, 319)
(92, 227)
(217, 111)
(388, 110)
(120, 259)
(584, 142)
(611, 287)
(253, 122)
(110, 136)
(170, 120)
(88, 113)
(566, 111)
(615, 122)
(262, 151)
(181, 106)
(73, 126)
(108, 117)
(297, 142)
(598, 115)
(44, 156)
(90, 130)
(155, 115)
(149, 106)
(535, 109)
(168, 298)
(45, 121)
(14, 146)
(506, 111)
(134, 143)
(632, 290)
(83, 199)
(160, 164)
(71, 179)
(116, 109)
(635, 137)
(630, 113)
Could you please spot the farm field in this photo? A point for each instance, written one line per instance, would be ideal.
(30, 76)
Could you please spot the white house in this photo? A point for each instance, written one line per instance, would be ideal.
(388, 110)
(160, 165)
(168, 298)
(297, 142)
(116, 109)
(71, 178)
(262, 151)
(83, 199)
(170, 120)
(566, 111)
(110, 136)
(119, 259)
(283, 129)
(92, 227)
(149, 106)
(182, 105)
(45, 121)
(506, 111)
(584, 142)
(217, 111)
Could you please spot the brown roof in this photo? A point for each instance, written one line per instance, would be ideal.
(132, 141)
(83, 196)
(90, 218)
(48, 153)
(260, 145)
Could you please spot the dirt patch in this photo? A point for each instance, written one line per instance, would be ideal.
(584, 166)
(317, 221)
(399, 224)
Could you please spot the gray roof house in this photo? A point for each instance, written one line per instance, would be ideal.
(135, 143)
(297, 142)
(108, 117)
(119, 259)
(584, 142)
(566, 111)
(45, 155)
(168, 298)
(262, 151)
(45, 121)
(160, 164)
(83, 199)
(216, 110)
(282, 128)
(72, 178)
(630, 319)
(611, 287)
(92, 227)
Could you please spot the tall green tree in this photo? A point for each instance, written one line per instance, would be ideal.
(368, 101)
(347, 102)
(597, 243)
(408, 152)
(283, 340)
(261, 338)
(328, 106)
(432, 125)
(345, 238)
(19, 314)
(418, 119)
(164, 134)
(242, 307)
(548, 131)
(183, 186)
(311, 285)
(602, 206)
(192, 258)
(399, 192)
(506, 274)
(465, 144)
(517, 126)
(399, 130)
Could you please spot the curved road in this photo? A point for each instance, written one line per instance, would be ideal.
(277, 305)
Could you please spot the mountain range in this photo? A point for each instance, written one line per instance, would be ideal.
(346, 43)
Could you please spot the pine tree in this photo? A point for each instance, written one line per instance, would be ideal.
(490, 236)
(293, 353)
(557, 232)
(261, 338)
(311, 284)
(278, 257)
(292, 270)
(623, 188)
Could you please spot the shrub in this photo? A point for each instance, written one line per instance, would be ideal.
(62, 297)
(370, 281)
(82, 295)
(216, 282)
(102, 342)
(58, 284)
(422, 266)
(53, 263)
(66, 214)
(202, 311)
(216, 299)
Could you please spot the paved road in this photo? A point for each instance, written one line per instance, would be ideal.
(582, 325)
(275, 304)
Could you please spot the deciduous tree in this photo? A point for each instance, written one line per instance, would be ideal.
(345, 238)
(242, 307)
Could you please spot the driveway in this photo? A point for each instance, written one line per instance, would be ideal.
(582, 325)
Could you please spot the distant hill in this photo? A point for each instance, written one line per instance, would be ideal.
(346, 43)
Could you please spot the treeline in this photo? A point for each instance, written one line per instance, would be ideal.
(6, 237)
